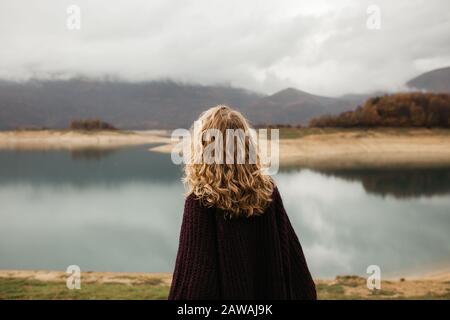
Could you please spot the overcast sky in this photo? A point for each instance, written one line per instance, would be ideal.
(323, 47)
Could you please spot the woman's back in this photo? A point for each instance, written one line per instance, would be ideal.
(236, 241)
(258, 257)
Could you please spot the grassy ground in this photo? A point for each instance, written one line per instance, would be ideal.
(136, 287)
(16, 288)
(354, 287)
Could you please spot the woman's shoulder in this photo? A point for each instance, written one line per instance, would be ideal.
(277, 201)
(195, 212)
(275, 193)
(193, 199)
(194, 203)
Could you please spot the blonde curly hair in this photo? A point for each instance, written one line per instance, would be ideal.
(238, 189)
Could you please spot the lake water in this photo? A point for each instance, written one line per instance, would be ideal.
(120, 210)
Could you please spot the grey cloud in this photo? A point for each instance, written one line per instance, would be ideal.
(318, 46)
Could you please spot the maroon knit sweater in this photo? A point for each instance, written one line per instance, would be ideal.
(239, 258)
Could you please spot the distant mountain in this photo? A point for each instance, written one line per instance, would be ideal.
(126, 105)
(169, 104)
(292, 106)
(434, 81)
(148, 105)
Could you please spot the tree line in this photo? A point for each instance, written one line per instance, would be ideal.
(91, 125)
(414, 109)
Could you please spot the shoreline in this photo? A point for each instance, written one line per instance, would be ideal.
(369, 148)
(359, 148)
(308, 147)
(42, 284)
(75, 140)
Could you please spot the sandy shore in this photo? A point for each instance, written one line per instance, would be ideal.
(372, 148)
(66, 139)
(36, 284)
(360, 148)
(314, 148)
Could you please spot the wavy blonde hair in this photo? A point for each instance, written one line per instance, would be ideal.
(238, 189)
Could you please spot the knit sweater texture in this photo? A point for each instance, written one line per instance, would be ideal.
(239, 258)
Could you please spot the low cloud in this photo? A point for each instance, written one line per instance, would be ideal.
(319, 46)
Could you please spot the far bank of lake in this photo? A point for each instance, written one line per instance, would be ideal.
(305, 147)
(359, 148)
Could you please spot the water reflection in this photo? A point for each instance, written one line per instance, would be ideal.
(58, 167)
(131, 227)
(400, 183)
(344, 229)
(91, 153)
(121, 211)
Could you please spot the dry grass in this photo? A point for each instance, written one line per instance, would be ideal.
(110, 285)
(355, 287)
